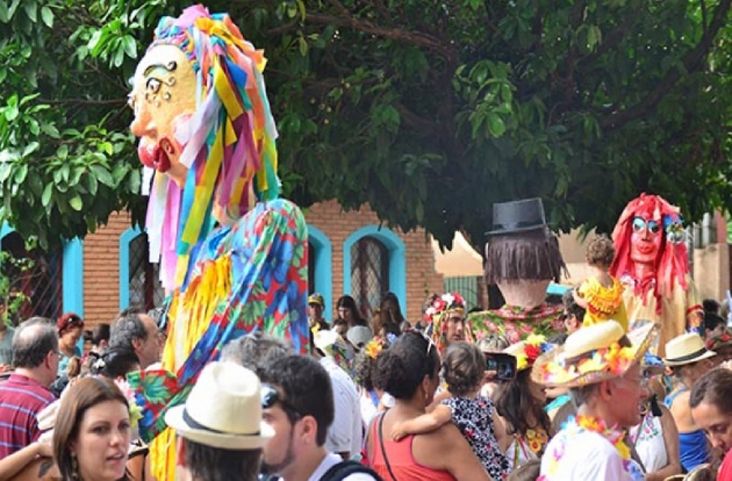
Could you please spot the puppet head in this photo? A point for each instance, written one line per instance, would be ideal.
(205, 126)
(522, 254)
(650, 233)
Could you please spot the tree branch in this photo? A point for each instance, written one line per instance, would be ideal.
(691, 62)
(423, 125)
(417, 38)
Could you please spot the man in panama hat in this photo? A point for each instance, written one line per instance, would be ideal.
(220, 428)
(689, 359)
(601, 367)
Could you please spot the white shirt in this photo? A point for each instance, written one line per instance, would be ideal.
(649, 443)
(582, 457)
(330, 460)
(346, 432)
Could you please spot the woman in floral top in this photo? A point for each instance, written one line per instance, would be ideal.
(520, 403)
(473, 414)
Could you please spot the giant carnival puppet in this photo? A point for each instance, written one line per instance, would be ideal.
(522, 257)
(233, 257)
(651, 261)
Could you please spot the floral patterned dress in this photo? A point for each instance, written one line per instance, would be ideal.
(474, 418)
(517, 323)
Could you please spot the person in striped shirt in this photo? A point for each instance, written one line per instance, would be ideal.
(26, 392)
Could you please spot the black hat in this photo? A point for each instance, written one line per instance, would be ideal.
(518, 216)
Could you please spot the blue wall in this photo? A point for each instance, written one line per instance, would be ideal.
(397, 259)
(323, 262)
(73, 277)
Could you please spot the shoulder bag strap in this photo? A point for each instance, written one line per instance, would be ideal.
(381, 444)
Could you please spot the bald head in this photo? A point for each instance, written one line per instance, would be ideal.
(32, 342)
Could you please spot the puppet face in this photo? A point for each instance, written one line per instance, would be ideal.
(164, 98)
(645, 239)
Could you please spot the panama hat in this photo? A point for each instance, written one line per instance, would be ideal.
(223, 409)
(593, 354)
(686, 349)
(333, 346)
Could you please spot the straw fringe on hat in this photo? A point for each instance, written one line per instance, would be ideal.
(686, 349)
(593, 354)
(223, 409)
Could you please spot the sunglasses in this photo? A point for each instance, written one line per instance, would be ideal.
(271, 396)
(639, 224)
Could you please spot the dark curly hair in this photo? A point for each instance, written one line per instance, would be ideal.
(515, 401)
(463, 368)
(401, 368)
(600, 251)
(363, 370)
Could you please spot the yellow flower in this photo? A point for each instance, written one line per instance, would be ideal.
(535, 339)
(590, 423)
(521, 362)
(593, 364)
(622, 449)
(373, 348)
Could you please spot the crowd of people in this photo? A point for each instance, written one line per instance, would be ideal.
(383, 399)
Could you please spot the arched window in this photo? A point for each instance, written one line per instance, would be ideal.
(144, 282)
(369, 253)
(139, 282)
(369, 273)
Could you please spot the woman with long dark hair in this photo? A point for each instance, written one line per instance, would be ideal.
(409, 371)
(347, 311)
(520, 403)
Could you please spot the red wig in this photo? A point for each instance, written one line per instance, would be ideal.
(672, 265)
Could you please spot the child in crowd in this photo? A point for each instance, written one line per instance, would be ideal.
(463, 370)
(601, 294)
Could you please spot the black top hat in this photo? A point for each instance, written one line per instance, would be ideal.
(518, 216)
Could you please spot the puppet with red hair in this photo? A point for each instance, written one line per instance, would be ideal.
(651, 261)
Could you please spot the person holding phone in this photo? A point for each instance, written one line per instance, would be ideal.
(520, 403)
(463, 371)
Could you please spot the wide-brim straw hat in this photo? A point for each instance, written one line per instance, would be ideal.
(223, 409)
(593, 354)
(686, 349)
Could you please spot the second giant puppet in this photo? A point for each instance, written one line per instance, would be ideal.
(233, 257)
(651, 261)
(522, 258)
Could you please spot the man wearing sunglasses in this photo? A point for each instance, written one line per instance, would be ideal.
(297, 401)
(651, 261)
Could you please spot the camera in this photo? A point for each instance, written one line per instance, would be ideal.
(504, 365)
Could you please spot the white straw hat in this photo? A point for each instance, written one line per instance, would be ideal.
(593, 354)
(686, 349)
(223, 409)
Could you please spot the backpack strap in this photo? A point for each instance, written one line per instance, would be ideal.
(342, 470)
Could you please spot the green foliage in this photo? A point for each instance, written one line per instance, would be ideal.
(12, 297)
(429, 111)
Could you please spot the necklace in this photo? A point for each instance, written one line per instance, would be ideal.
(536, 439)
(616, 437)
